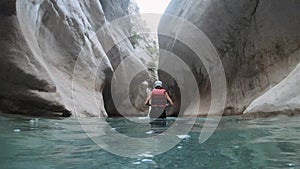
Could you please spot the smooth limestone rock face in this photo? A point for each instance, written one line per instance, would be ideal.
(53, 63)
(284, 98)
(257, 41)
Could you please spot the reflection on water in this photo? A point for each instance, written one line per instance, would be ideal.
(28, 143)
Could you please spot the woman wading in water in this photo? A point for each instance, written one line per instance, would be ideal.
(158, 100)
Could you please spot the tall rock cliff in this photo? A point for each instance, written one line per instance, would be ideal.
(53, 62)
(257, 41)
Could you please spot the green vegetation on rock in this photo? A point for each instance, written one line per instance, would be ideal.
(152, 50)
(134, 39)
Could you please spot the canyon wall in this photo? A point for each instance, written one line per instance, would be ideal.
(53, 62)
(258, 42)
(60, 57)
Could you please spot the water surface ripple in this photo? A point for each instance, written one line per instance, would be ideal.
(28, 143)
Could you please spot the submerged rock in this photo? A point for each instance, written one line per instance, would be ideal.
(257, 41)
(183, 136)
(17, 130)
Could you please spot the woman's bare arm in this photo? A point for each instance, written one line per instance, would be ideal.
(169, 99)
(148, 99)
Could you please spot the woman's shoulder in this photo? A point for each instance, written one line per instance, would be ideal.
(163, 90)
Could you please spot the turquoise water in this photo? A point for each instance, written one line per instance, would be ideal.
(237, 143)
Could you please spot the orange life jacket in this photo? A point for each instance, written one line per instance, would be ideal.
(158, 98)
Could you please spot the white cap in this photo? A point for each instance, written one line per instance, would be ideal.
(158, 84)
